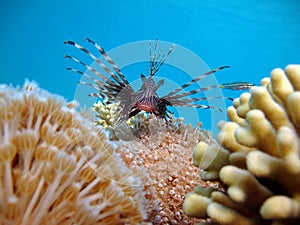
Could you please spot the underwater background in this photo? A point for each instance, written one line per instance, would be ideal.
(252, 37)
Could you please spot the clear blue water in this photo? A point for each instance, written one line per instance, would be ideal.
(253, 37)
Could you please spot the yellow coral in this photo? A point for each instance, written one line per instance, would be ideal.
(56, 167)
(106, 113)
(263, 172)
(203, 156)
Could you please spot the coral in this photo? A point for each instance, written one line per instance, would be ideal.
(159, 152)
(106, 113)
(262, 174)
(56, 167)
(203, 155)
(161, 155)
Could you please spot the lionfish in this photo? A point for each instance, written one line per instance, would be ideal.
(116, 88)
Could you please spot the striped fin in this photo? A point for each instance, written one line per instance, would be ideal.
(96, 59)
(176, 102)
(194, 80)
(156, 61)
(199, 106)
(188, 93)
(102, 92)
(237, 85)
(109, 60)
(98, 82)
(230, 86)
(96, 95)
(114, 89)
(101, 76)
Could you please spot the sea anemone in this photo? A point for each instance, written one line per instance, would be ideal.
(56, 167)
(161, 155)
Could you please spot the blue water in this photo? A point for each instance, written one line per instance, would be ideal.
(253, 37)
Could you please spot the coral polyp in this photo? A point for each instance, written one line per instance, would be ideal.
(56, 167)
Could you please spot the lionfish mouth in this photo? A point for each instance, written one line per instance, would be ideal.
(145, 106)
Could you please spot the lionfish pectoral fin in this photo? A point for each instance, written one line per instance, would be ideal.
(134, 112)
(111, 62)
(172, 93)
(165, 102)
(237, 86)
(186, 103)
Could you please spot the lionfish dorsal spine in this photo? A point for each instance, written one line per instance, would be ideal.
(157, 60)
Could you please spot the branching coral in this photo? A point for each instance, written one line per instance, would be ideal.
(106, 113)
(56, 167)
(262, 171)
